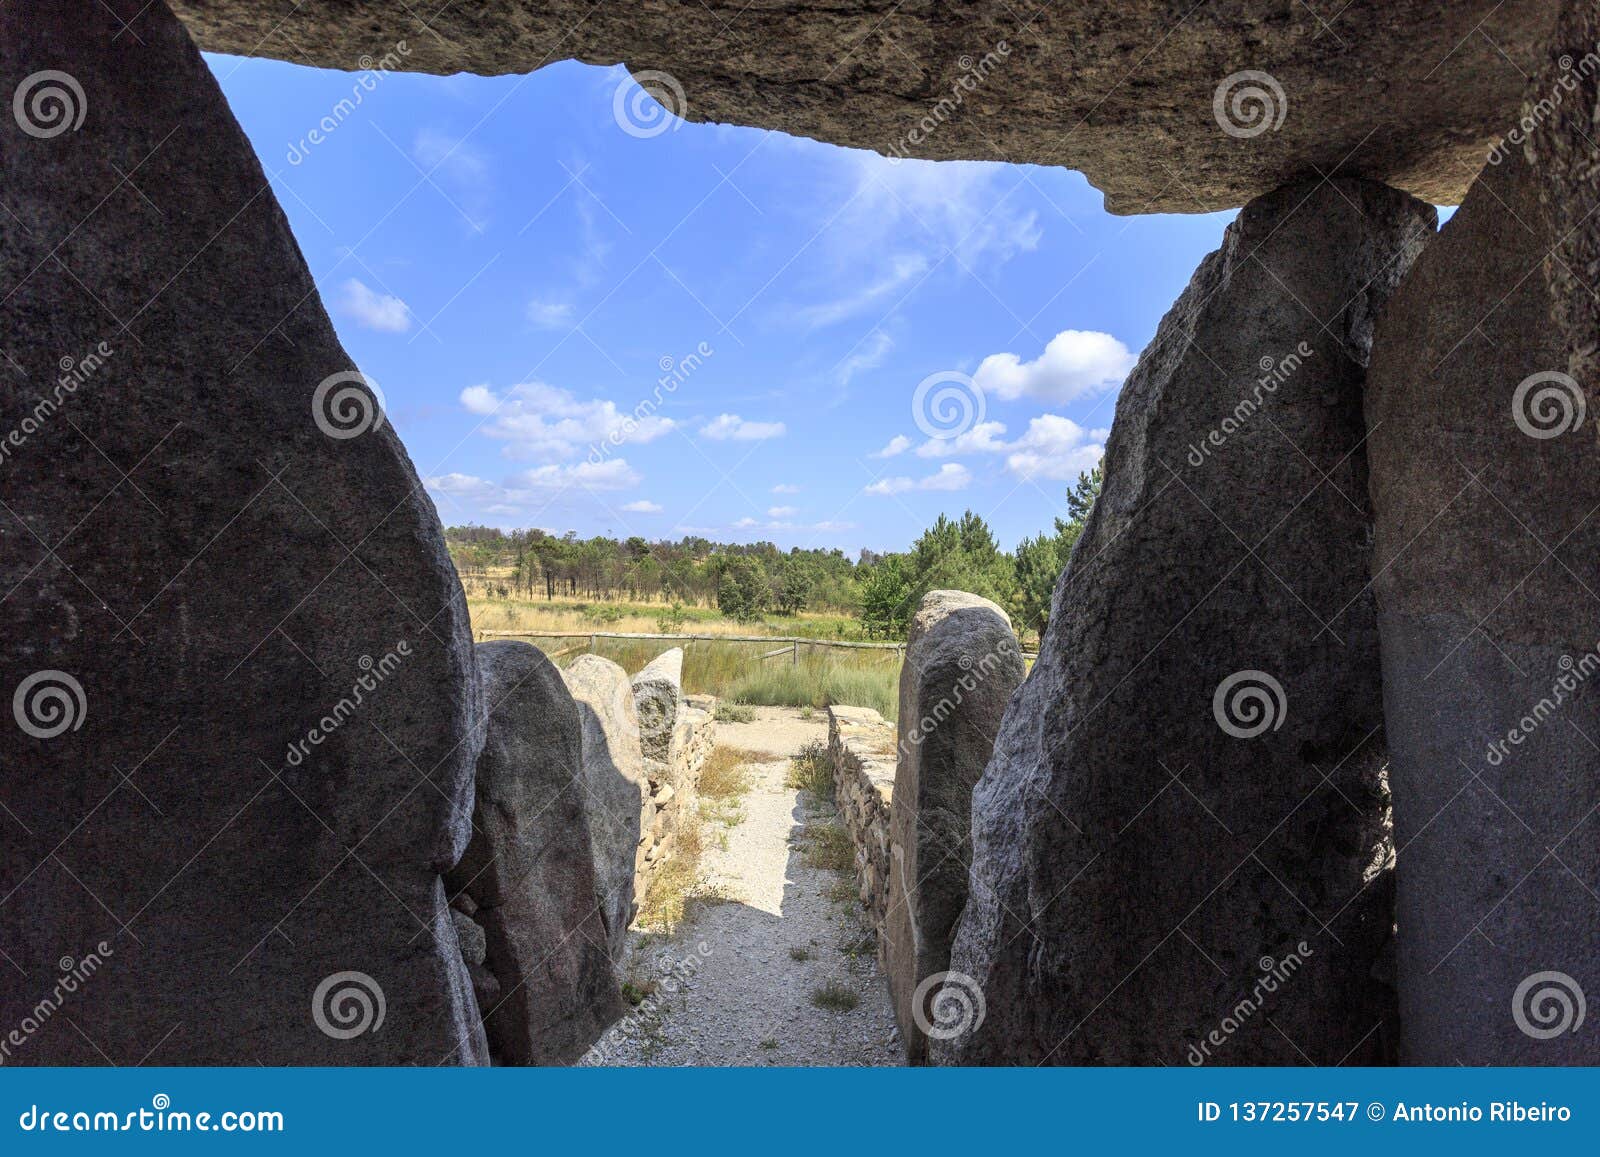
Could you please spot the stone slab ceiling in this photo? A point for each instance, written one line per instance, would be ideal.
(1410, 92)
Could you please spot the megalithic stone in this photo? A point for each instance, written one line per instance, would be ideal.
(1180, 847)
(1486, 491)
(962, 664)
(616, 789)
(1558, 134)
(237, 748)
(529, 868)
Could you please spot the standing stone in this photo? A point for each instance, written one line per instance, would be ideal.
(614, 784)
(1185, 818)
(218, 564)
(657, 690)
(1485, 487)
(529, 867)
(962, 664)
(1561, 122)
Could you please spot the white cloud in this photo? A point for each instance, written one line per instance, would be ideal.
(782, 511)
(899, 222)
(550, 314)
(643, 506)
(462, 486)
(984, 438)
(730, 426)
(1074, 364)
(1056, 448)
(540, 421)
(748, 523)
(868, 354)
(903, 269)
(613, 474)
(1052, 447)
(950, 476)
(786, 488)
(374, 310)
(458, 170)
(899, 444)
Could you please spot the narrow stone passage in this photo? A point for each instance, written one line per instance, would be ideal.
(778, 967)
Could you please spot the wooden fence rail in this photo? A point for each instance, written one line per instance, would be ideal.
(791, 644)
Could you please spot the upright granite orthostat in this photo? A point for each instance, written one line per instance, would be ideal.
(1184, 820)
(529, 868)
(962, 664)
(1485, 489)
(240, 746)
(615, 787)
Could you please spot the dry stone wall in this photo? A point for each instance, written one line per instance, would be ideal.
(861, 748)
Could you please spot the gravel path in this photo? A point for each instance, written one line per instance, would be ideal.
(728, 987)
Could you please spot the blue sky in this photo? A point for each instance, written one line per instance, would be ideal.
(518, 272)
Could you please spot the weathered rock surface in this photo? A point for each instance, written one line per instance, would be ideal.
(267, 760)
(1560, 127)
(530, 870)
(1162, 828)
(962, 664)
(1485, 492)
(657, 691)
(1411, 92)
(614, 783)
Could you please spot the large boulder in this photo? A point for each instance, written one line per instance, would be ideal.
(657, 693)
(1558, 133)
(615, 789)
(1485, 490)
(1180, 846)
(529, 868)
(1236, 99)
(962, 664)
(237, 655)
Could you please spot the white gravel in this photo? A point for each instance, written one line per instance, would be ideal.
(728, 991)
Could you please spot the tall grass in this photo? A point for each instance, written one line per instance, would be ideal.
(736, 671)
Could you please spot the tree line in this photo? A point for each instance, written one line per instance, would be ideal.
(751, 580)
